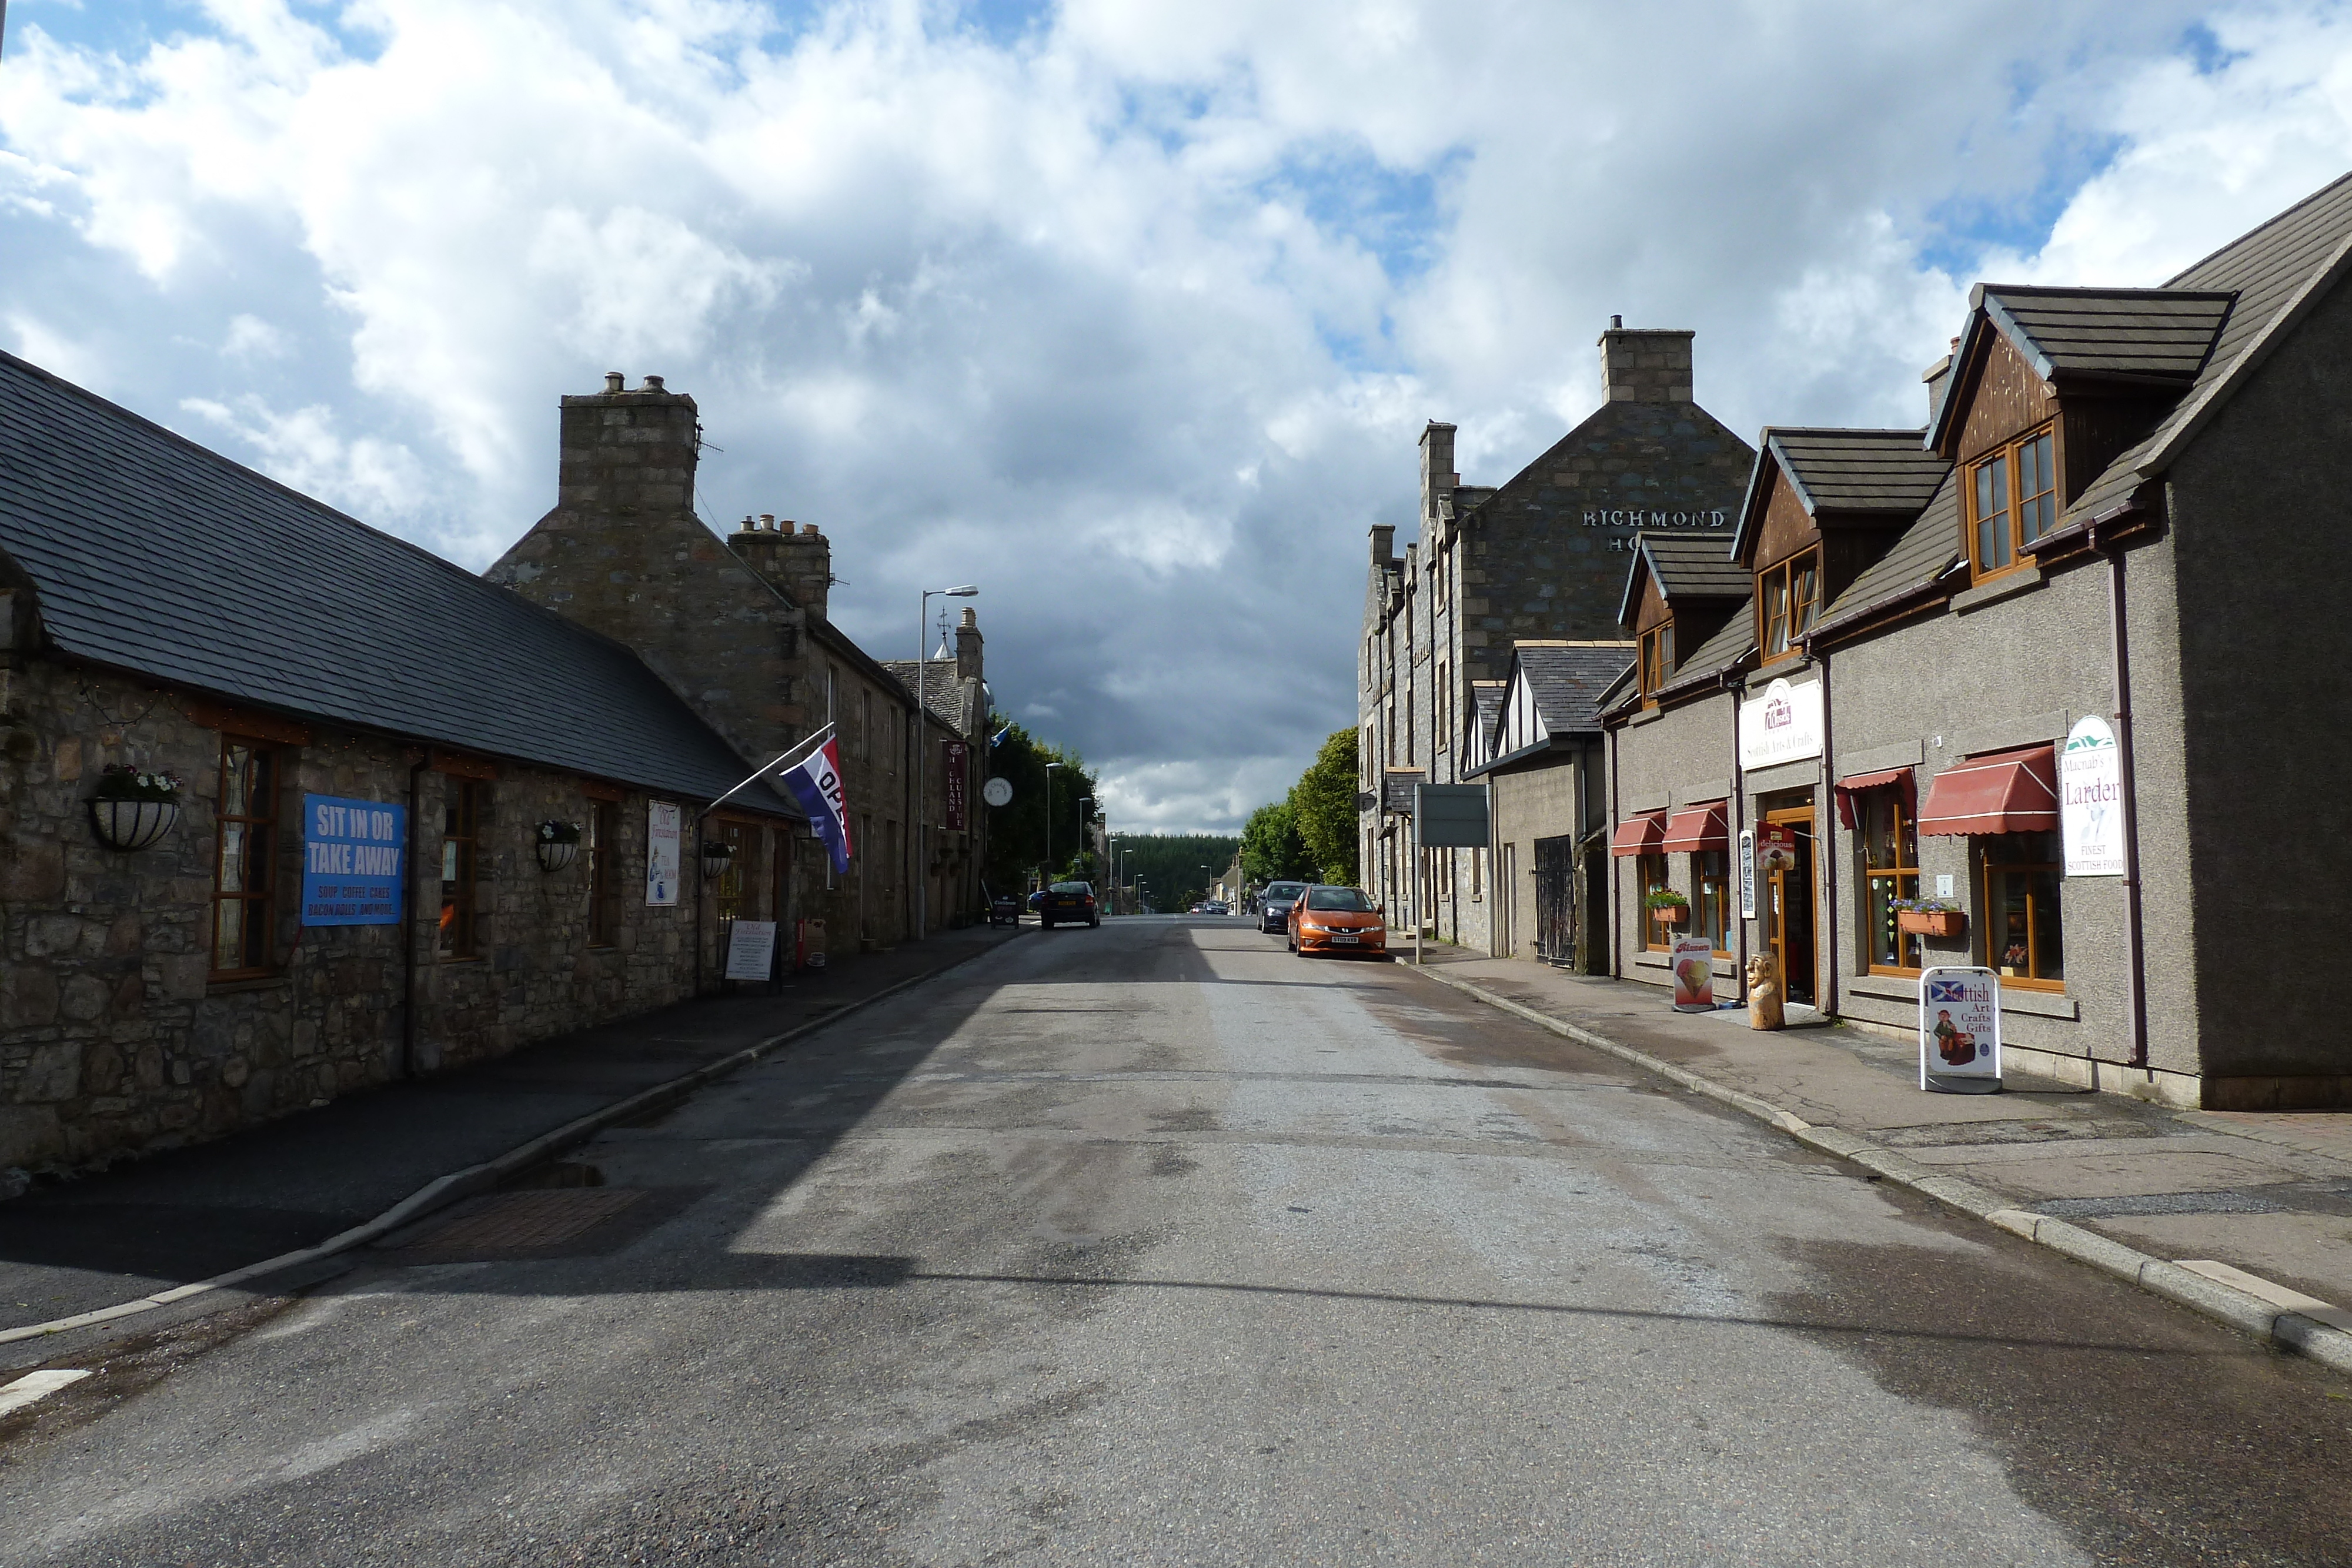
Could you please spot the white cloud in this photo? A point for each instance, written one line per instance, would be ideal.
(1134, 319)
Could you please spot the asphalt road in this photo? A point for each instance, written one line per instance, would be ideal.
(1153, 1244)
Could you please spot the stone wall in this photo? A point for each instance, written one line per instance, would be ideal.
(113, 1036)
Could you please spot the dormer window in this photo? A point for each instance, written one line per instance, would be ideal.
(2012, 502)
(1657, 657)
(1788, 602)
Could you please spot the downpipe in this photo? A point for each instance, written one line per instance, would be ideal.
(2135, 968)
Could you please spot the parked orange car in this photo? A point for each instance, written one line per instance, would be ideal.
(1337, 920)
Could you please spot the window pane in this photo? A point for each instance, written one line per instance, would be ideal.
(1992, 515)
(1776, 613)
(236, 783)
(2049, 944)
(228, 951)
(232, 857)
(1804, 597)
(1890, 947)
(1711, 919)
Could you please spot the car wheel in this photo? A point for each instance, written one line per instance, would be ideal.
(1095, 921)
(1045, 921)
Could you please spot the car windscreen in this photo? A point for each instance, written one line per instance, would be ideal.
(1347, 898)
(1284, 889)
(1073, 887)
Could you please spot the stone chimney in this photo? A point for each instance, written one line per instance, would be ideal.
(793, 557)
(1384, 543)
(1935, 375)
(1639, 365)
(627, 454)
(1438, 479)
(967, 647)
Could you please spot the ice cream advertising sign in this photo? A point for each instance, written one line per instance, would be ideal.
(2091, 800)
(1694, 975)
(1959, 1030)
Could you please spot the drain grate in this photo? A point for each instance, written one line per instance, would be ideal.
(529, 1221)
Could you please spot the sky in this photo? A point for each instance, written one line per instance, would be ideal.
(1128, 312)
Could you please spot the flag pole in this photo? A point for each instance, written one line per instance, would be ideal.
(787, 754)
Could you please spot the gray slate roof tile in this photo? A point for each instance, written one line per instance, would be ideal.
(155, 556)
(1568, 680)
(2163, 333)
(1925, 552)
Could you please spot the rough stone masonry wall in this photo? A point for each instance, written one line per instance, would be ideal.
(112, 1037)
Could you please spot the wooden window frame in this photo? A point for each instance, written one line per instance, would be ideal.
(1799, 615)
(1711, 899)
(603, 831)
(1650, 870)
(1657, 659)
(734, 882)
(1897, 880)
(257, 907)
(1988, 869)
(461, 852)
(2030, 459)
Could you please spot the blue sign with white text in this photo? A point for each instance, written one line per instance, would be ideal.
(352, 860)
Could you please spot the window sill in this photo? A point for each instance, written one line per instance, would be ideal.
(1649, 959)
(459, 963)
(1993, 590)
(231, 985)
(2014, 999)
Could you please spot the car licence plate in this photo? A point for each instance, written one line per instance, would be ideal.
(1345, 939)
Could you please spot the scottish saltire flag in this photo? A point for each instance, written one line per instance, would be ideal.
(815, 783)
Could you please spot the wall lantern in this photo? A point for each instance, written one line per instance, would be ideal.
(558, 845)
(134, 810)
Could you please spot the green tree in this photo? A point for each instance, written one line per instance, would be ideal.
(1016, 830)
(1272, 849)
(1169, 865)
(1323, 809)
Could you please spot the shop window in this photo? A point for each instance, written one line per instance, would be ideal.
(1711, 904)
(2013, 503)
(1653, 875)
(601, 846)
(1657, 657)
(737, 874)
(1890, 869)
(2022, 936)
(460, 843)
(1788, 602)
(244, 867)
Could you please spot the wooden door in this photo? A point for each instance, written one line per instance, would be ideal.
(1789, 912)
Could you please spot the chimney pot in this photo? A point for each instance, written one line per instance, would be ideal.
(1616, 323)
(614, 380)
(808, 528)
(768, 522)
(653, 384)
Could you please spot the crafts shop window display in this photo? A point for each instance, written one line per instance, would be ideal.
(2023, 937)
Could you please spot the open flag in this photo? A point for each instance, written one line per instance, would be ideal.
(815, 783)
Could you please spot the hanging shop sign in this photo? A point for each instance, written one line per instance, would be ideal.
(1776, 850)
(351, 852)
(997, 791)
(958, 778)
(1784, 724)
(751, 949)
(661, 853)
(1959, 1030)
(1694, 975)
(2091, 800)
(1746, 874)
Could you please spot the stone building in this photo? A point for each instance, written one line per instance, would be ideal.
(351, 884)
(739, 630)
(1541, 557)
(2040, 689)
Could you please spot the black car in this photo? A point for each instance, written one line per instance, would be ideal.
(1274, 904)
(1068, 903)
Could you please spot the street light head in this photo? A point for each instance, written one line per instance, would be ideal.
(966, 592)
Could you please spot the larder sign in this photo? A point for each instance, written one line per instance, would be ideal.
(351, 861)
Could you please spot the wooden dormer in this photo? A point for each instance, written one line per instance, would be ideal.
(1678, 593)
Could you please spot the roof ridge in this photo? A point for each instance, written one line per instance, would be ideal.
(2272, 222)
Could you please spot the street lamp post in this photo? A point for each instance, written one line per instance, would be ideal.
(918, 882)
(1047, 870)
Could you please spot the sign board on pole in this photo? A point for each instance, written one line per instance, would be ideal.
(1776, 848)
(997, 791)
(1746, 874)
(351, 852)
(1959, 1030)
(661, 853)
(1450, 815)
(1694, 975)
(751, 949)
(1784, 724)
(2091, 800)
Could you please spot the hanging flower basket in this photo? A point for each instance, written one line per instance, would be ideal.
(1939, 923)
(557, 845)
(134, 810)
(717, 856)
(1670, 914)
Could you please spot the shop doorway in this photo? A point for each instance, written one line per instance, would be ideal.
(1789, 910)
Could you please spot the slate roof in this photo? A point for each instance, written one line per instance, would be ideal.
(1568, 680)
(155, 556)
(1486, 699)
(1884, 472)
(1719, 652)
(1925, 552)
(943, 692)
(1687, 565)
(2165, 334)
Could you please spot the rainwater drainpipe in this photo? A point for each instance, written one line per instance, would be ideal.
(1825, 833)
(1735, 685)
(408, 928)
(1616, 917)
(2135, 984)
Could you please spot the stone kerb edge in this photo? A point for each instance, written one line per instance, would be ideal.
(2248, 1314)
(445, 1190)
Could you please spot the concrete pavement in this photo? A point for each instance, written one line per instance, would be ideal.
(1156, 1245)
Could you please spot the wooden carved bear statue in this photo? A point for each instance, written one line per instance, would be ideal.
(1764, 1009)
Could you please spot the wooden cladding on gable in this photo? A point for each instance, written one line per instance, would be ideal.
(2005, 398)
(1788, 527)
(246, 721)
(1651, 612)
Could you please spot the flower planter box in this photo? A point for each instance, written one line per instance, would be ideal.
(128, 825)
(1941, 922)
(1671, 914)
(555, 856)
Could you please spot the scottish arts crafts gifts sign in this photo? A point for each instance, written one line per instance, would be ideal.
(1784, 724)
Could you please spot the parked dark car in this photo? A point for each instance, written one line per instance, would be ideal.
(1068, 903)
(1274, 904)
